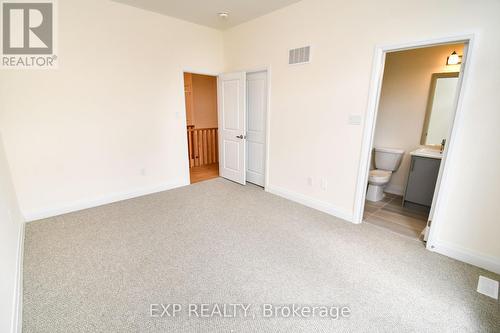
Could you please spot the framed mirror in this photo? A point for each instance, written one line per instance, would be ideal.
(440, 108)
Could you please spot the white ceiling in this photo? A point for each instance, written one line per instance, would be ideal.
(205, 12)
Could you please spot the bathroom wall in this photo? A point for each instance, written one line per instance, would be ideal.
(403, 101)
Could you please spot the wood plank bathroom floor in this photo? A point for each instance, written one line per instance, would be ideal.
(390, 214)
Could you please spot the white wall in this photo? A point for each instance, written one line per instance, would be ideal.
(82, 134)
(310, 104)
(403, 101)
(10, 238)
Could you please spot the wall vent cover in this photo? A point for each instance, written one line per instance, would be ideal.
(301, 55)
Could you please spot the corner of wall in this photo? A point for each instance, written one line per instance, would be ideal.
(17, 315)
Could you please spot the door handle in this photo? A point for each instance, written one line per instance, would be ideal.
(240, 136)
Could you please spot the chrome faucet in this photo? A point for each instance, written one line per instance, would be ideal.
(443, 143)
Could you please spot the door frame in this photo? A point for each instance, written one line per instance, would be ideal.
(443, 185)
(187, 177)
(267, 69)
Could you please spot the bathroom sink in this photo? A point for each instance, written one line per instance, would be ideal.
(427, 152)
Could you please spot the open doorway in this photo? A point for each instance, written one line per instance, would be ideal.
(202, 126)
(227, 126)
(414, 121)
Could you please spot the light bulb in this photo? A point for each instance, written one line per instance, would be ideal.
(453, 59)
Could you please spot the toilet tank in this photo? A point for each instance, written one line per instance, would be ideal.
(388, 158)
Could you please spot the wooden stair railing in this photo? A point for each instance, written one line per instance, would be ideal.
(203, 146)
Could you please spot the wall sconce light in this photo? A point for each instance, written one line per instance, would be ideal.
(454, 59)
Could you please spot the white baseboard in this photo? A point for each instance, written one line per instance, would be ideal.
(477, 259)
(91, 203)
(310, 202)
(17, 314)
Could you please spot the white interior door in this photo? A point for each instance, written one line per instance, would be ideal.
(256, 127)
(232, 118)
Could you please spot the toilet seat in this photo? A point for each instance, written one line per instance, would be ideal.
(379, 176)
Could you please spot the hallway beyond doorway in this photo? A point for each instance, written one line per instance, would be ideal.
(204, 172)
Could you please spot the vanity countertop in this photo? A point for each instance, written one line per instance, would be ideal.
(427, 152)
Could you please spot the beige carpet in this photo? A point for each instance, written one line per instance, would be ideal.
(99, 270)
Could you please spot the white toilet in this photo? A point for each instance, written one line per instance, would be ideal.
(387, 161)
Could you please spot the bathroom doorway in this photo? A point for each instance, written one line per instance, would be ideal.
(408, 138)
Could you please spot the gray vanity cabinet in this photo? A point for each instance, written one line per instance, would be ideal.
(422, 180)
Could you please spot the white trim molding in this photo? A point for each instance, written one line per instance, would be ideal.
(368, 133)
(104, 200)
(466, 255)
(17, 313)
(323, 206)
